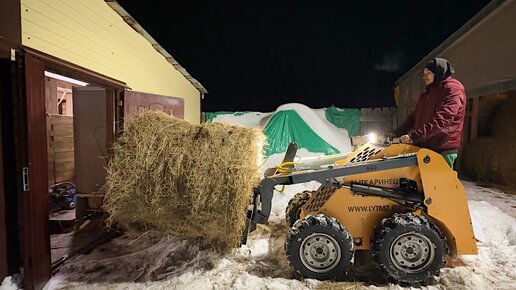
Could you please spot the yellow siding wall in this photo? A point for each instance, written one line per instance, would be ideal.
(90, 34)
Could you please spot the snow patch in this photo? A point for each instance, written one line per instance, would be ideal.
(176, 263)
(505, 201)
(511, 235)
(11, 283)
(259, 248)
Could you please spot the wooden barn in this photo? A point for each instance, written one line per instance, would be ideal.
(70, 71)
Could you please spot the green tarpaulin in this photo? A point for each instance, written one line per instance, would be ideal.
(348, 119)
(287, 126)
(212, 115)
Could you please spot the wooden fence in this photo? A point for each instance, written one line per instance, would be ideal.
(377, 120)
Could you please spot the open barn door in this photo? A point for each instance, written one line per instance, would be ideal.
(91, 131)
(34, 171)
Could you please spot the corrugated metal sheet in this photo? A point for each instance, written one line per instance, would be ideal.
(92, 35)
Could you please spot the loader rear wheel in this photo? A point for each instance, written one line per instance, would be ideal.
(292, 212)
(320, 248)
(408, 248)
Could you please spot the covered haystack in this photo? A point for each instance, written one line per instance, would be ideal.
(171, 176)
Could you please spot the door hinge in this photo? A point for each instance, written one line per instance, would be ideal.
(25, 178)
(120, 103)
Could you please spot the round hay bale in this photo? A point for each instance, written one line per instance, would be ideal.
(195, 180)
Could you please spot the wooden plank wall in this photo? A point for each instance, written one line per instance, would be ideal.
(377, 120)
(98, 39)
(54, 91)
(480, 113)
(61, 162)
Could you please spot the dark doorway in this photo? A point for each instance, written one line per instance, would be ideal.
(10, 173)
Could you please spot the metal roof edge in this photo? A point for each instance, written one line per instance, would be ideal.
(138, 28)
(462, 31)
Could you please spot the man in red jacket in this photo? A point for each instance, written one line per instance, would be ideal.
(437, 121)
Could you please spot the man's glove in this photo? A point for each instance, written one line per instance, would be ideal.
(406, 139)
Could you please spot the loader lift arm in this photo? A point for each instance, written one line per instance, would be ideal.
(263, 194)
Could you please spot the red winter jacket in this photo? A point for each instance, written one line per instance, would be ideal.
(436, 122)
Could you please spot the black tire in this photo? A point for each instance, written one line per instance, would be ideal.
(407, 248)
(294, 206)
(319, 248)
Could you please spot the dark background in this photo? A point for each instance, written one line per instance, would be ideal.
(257, 55)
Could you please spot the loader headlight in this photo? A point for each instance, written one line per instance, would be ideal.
(373, 138)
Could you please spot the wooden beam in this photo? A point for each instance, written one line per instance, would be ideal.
(10, 27)
(110, 121)
(474, 118)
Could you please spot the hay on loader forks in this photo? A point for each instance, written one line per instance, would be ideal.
(171, 176)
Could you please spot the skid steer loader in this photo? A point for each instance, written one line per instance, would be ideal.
(401, 202)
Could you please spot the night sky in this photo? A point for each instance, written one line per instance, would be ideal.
(257, 55)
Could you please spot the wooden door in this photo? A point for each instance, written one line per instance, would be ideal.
(32, 150)
(36, 242)
(91, 131)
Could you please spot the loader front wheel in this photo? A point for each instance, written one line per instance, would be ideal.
(319, 248)
(408, 248)
(292, 213)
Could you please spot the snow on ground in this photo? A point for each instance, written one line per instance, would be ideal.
(156, 262)
(11, 283)
(505, 201)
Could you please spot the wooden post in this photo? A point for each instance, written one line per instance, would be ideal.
(474, 118)
(110, 121)
(3, 226)
(458, 162)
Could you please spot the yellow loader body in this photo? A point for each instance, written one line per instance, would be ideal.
(444, 197)
(401, 202)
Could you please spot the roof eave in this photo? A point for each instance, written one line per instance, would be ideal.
(492, 6)
(138, 28)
